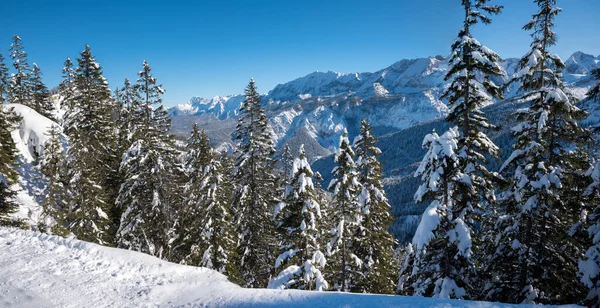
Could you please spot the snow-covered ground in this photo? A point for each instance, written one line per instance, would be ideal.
(39, 270)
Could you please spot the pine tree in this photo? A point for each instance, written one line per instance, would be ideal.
(68, 89)
(594, 91)
(20, 91)
(589, 267)
(55, 205)
(218, 239)
(4, 81)
(255, 192)
(298, 217)
(442, 247)
(535, 255)
(287, 161)
(467, 185)
(145, 196)
(374, 242)
(192, 212)
(8, 165)
(345, 268)
(40, 95)
(88, 156)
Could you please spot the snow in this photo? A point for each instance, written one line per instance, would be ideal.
(38, 270)
(32, 132)
(429, 222)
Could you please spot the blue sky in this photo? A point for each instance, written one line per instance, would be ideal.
(207, 48)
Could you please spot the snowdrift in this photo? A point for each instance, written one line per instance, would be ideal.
(40, 270)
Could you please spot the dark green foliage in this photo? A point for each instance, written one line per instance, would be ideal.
(344, 266)
(536, 250)
(20, 89)
(55, 206)
(8, 165)
(373, 240)
(255, 192)
(40, 100)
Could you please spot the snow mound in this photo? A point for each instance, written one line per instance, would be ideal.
(31, 135)
(40, 270)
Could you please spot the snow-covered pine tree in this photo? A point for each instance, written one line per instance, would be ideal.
(444, 263)
(67, 89)
(91, 138)
(374, 243)
(589, 266)
(4, 81)
(298, 218)
(345, 268)
(442, 246)
(188, 248)
(217, 232)
(535, 257)
(55, 206)
(20, 91)
(8, 165)
(287, 162)
(40, 100)
(146, 197)
(255, 194)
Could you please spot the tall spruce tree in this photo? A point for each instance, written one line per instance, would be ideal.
(145, 196)
(40, 100)
(298, 219)
(188, 248)
(345, 267)
(468, 187)
(535, 256)
(91, 137)
(8, 165)
(441, 248)
(4, 81)
(374, 242)
(20, 91)
(589, 266)
(217, 232)
(55, 206)
(255, 192)
(67, 93)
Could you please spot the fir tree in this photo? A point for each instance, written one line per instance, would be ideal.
(441, 248)
(20, 91)
(374, 242)
(218, 239)
(594, 91)
(467, 184)
(255, 192)
(192, 212)
(8, 165)
(145, 196)
(40, 95)
(301, 261)
(68, 89)
(91, 140)
(535, 256)
(4, 81)
(589, 266)
(345, 267)
(55, 206)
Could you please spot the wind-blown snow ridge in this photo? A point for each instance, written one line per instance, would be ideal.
(40, 270)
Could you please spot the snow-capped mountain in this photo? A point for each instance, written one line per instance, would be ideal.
(321, 104)
(402, 102)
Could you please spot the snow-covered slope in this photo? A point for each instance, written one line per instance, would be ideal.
(38, 270)
(29, 138)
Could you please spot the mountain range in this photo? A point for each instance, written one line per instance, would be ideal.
(402, 101)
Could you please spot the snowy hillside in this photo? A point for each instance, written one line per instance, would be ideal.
(29, 138)
(38, 270)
